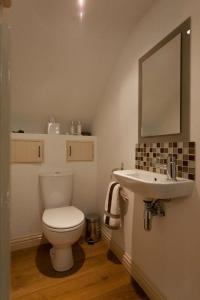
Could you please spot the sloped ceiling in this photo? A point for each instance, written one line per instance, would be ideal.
(60, 65)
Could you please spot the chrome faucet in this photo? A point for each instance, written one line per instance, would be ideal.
(171, 168)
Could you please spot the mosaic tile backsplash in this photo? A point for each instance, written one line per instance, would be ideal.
(153, 157)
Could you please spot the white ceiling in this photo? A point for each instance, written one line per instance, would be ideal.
(60, 65)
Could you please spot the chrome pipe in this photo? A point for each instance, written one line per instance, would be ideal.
(147, 219)
(152, 208)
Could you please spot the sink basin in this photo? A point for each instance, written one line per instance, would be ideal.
(153, 185)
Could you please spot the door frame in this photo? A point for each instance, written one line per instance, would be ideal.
(4, 165)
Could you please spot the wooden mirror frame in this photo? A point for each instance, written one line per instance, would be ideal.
(184, 134)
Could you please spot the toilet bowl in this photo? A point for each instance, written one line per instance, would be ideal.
(62, 227)
(62, 223)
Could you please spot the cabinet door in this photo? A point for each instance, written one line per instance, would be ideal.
(26, 151)
(80, 151)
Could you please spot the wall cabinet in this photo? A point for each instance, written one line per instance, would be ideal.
(27, 151)
(80, 150)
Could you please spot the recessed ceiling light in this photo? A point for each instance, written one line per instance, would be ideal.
(81, 3)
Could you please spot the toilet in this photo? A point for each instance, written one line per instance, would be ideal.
(62, 223)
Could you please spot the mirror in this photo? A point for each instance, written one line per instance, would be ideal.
(161, 90)
(164, 88)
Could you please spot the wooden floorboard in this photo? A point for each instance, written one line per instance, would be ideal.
(96, 275)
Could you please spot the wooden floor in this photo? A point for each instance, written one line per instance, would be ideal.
(97, 275)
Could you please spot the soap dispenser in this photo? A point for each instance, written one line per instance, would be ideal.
(72, 128)
(53, 127)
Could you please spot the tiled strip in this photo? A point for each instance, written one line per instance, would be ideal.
(153, 157)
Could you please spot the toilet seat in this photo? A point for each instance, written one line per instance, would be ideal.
(64, 229)
(63, 218)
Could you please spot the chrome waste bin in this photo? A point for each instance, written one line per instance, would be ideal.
(93, 232)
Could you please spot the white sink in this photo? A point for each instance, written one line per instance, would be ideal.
(153, 185)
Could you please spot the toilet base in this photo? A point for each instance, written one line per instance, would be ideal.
(61, 258)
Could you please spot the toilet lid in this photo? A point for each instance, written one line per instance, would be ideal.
(63, 217)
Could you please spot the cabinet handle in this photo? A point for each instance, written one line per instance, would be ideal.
(39, 151)
(70, 150)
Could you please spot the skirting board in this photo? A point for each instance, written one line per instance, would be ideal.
(132, 268)
(27, 242)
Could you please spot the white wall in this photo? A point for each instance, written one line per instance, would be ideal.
(26, 208)
(169, 254)
(59, 63)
